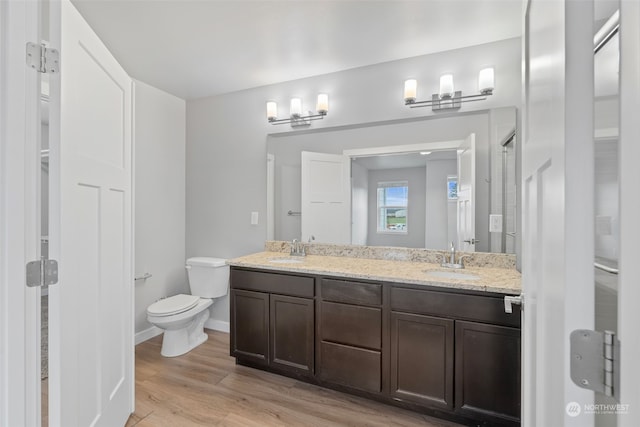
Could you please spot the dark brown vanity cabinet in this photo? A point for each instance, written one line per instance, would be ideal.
(250, 326)
(350, 334)
(273, 320)
(456, 351)
(442, 351)
(422, 359)
(488, 371)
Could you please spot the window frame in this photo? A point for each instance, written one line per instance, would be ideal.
(385, 185)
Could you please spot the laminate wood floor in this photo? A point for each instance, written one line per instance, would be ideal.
(206, 388)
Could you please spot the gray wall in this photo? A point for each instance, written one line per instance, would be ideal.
(159, 198)
(441, 218)
(227, 134)
(359, 204)
(414, 238)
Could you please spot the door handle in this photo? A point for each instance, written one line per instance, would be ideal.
(509, 301)
(471, 241)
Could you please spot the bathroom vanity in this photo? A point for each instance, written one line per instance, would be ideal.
(383, 329)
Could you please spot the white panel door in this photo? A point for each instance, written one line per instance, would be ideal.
(91, 328)
(558, 206)
(326, 198)
(467, 195)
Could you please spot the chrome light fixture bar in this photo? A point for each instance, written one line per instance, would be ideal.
(296, 118)
(448, 98)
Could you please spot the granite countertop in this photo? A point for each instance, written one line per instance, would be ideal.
(498, 280)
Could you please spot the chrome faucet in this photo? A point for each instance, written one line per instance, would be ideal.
(297, 248)
(452, 259)
(452, 254)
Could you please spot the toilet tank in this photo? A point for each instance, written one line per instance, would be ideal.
(208, 277)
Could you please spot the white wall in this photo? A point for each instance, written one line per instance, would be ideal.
(160, 133)
(227, 134)
(439, 215)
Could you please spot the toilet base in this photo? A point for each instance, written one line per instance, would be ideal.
(180, 341)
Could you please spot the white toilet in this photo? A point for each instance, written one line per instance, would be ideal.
(182, 316)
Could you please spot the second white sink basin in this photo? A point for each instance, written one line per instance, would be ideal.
(452, 275)
(286, 260)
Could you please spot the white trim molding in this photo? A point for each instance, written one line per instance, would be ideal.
(147, 334)
(217, 325)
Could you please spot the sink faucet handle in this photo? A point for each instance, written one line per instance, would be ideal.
(462, 258)
(444, 258)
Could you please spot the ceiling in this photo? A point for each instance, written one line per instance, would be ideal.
(404, 160)
(198, 48)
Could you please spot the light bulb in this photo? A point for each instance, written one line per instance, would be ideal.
(446, 86)
(486, 82)
(272, 111)
(322, 106)
(410, 91)
(295, 109)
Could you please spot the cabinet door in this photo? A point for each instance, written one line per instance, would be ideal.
(488, 371)
(292, 333)
(422, 359)
(250, 326)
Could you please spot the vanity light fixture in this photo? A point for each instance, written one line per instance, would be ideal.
(449, 98)
(296, 118)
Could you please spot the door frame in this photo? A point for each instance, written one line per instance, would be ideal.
(19, 217)
(629, 175)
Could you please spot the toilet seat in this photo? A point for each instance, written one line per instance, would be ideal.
(173, 305)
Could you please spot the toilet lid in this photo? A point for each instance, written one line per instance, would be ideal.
(173, 305)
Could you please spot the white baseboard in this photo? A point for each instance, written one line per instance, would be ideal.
(217, 325)
(147, 334)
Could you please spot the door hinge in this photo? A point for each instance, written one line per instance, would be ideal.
(43, 59)
(595, 364)
(42, 273)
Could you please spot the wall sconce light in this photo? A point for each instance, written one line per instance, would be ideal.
(448, 98)
(295, 112)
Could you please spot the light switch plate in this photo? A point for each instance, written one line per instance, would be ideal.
(254, 218)
(495, 223)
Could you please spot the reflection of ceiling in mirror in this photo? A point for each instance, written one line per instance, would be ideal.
(405, 160)
(606, 68)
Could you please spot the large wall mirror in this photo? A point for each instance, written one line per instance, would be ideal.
(422, 183)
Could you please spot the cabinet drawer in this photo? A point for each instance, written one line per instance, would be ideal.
(351, 324)
(351, 292)
(350, 366)
(487, 309)
(284, 284)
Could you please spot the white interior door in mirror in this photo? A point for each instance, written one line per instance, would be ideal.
(467, 195)
(91, 322)
(326, 198)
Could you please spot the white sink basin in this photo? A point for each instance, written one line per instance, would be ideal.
(452, 275)
(286, 260)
